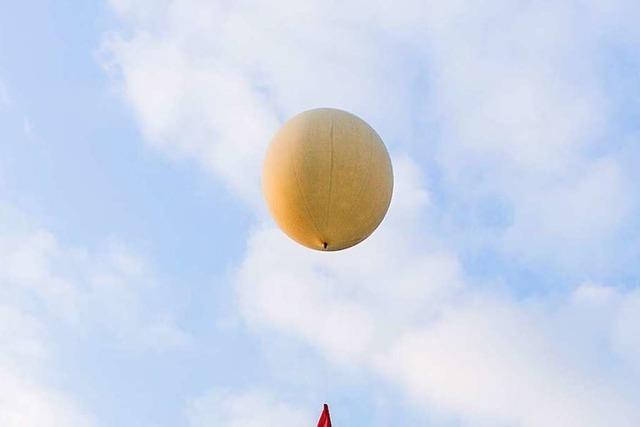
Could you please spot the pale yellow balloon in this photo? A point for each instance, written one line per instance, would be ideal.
(327, 179)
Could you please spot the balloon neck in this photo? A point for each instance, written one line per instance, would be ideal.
(324, 245)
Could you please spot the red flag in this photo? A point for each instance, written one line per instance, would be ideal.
(325, 418)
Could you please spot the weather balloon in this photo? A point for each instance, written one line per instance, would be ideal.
(327, 179)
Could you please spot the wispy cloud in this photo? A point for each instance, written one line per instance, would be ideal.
(46, 287)
(25, 397)
(456, 346)
(102, 290)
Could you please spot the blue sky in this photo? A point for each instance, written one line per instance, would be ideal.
(142, 282)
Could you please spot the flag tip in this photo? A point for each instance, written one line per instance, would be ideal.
(325, 418)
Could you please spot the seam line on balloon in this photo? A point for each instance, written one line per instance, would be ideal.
(304, 200)
(326, 221)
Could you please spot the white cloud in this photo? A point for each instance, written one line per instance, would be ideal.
(523, 107)
(511, 364)
(626, 339)
(46, 287)
(456, 346)
(203, 111)
(27, 404)
(25, 399)
(252, 409)
(104, 291)
(213, 84)
(352, 301)
(576, 215)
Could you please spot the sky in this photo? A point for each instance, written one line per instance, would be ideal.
(143, 283)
